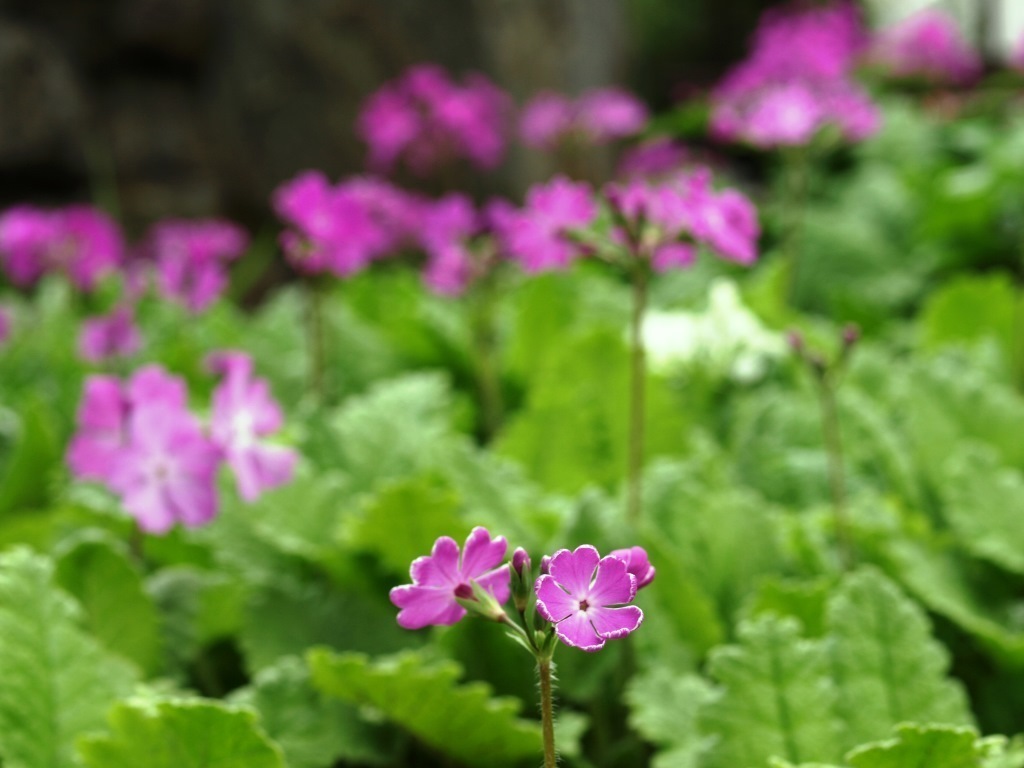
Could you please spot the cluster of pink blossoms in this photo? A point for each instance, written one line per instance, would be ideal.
(797, 80)
(929, 46)
(661, 222)
(79, 241)
(140, 440)
(597, 117)
(584, 597)
(109, 336)
(425, 120)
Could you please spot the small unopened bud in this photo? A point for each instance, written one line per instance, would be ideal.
(851, 335)
(795, 339)
(521, 577)
(478, 600)
(464, 591)
(545, 564)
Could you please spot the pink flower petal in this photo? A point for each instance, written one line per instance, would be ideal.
(441, 568)
(613, 584)
(497, 583)
(612, 623)
(577, 631)
(425, 606)
(575, 570)
(481, 553)
(552, 601)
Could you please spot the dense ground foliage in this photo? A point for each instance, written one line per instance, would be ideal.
(832, 482)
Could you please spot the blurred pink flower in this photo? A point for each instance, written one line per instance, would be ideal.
(598, 116)
(191, 258)
(80, 241)
(653, 159)
(537, 236)
(446, 227)
(927, 45)
(100, 436)
(243, 412)
(1016, 57)
(109, 336)
(425, 119)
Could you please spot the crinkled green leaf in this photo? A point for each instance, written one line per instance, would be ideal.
(665, 709)
(887, 666)
(97, 570)
(57, 681)
(25, 472)
(312, 730)
(188, 733)
(969, 308)
(776, 698)
(801, 600)
(983, 502)
(921, 746)
(460, 720)
(404, 519)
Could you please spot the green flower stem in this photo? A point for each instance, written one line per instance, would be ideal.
(836, 472)
(315, 339)
(637, 395)
(544, 669)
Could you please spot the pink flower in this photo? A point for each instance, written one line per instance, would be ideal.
(80, 241)
(191, 258)
(109, 336)
(442, 576)
(446, 227)
(599, 116)
(339, 229)
(638, 564)
(585, 596)
(425, 119)
(928, 45)
(1016, 58)
(537, 236)
(244, 411)
(142, 442)
(654, 159)
(727, 222)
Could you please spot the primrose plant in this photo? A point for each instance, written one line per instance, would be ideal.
(580, 599)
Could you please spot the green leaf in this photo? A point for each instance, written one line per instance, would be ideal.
(96, 569)
(404, 519)
(921, 746)
(801, 600)
(312, 730)
(776, 700)
(665, 710)
(191, 733)
(968, 309)
(983, 501)
(887, 666)
(36, 452)
(462, 721)
(57, 681)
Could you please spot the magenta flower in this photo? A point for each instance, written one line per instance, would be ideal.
(191, 259)
(80, 241)
(538, 236)
(585, 596)
(244, 411)
(637, 563)
(599, 116)
(446, 227)
(425, 119)
(655, 159)
(442, 576)
(102, 416)
(927, 45)
(109, 336)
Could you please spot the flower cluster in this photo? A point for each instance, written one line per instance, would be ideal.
(598, 116)
(929, 46)
(444, 232)
(425, 119)
(656, 159)
(140, 439)
(109, 336)
(581, 598)
(79, 241)
(191, 257)
(797, 80)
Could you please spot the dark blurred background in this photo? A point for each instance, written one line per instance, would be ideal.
(157, 108)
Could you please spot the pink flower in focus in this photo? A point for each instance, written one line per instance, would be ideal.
(443, 575)
(585, 597)
(537, 235)
(244, 411)
(109, 336)
(928, 45)
(425, 119)
(192, 256)
(599, 116)
(637, 563)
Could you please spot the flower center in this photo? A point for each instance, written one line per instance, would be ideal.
(464, 591)
(584, 605)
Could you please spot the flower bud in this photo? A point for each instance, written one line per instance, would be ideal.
(521, 574)
(520, 561)
(545, 564)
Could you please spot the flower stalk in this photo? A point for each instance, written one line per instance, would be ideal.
(547, 720)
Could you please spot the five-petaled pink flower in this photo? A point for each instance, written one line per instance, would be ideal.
(585, 596)
(441, 577)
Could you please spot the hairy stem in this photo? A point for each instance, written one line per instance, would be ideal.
(547, 716)
(637, 397)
